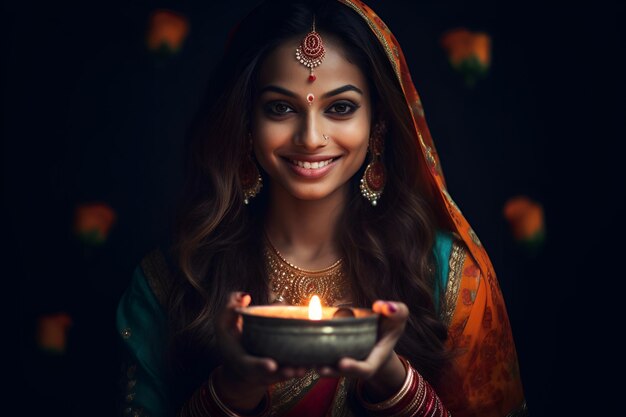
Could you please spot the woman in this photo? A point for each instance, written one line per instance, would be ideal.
(312, 150)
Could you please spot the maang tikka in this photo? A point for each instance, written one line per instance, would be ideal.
(311, 51)
(373, 181)
(251, 181)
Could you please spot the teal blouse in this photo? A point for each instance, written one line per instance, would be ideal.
(142, 325)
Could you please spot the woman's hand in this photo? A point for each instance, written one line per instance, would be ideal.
(382, 369)
(243, 380)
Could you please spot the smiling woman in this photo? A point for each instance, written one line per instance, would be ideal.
(304, 93)
(293, 117)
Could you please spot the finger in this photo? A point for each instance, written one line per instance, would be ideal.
(394, 310)
(328, 372)
(359, 369)
(287, 372)
(299, 371)
(254, 368)
(293, 371)
(368, 367)
(246, 299)
(356, 369)
(228, 317)
(394, 316)
(239, 299)
(266, 365)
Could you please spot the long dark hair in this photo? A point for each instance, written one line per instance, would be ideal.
(387, 248)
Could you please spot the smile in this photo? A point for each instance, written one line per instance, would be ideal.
(311, 170)
(312, 165)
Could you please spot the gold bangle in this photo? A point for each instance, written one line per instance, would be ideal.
(408, 381)
(225, 409)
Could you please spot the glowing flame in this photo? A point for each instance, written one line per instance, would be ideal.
(315, 308)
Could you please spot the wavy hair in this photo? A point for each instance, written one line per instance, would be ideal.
(218, 248)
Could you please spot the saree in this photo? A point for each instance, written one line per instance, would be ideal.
(483, 378)
(142, 324)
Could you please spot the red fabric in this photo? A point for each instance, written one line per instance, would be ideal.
(317, 401)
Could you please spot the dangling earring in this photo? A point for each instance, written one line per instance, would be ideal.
(373, 181)
(251, 181)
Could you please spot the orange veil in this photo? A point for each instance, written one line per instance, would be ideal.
(484, 379)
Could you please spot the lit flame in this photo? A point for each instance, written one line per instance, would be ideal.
(315, 308)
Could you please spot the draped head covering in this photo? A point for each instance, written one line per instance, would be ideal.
(446, 210)
(484, 380)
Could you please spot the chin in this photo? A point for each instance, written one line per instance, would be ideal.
(310, 196)
(314, 194)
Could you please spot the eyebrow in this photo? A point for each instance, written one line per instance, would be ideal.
(336, 91)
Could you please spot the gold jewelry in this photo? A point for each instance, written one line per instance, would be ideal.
(402, 392)
(224, 409)
(311, 51)
(373, 180)
(250, 177)
(296, 285)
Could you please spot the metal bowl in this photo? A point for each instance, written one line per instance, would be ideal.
(285, 334)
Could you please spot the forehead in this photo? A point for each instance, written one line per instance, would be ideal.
(280, 67)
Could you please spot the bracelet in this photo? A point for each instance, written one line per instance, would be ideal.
(415, 398)
(213, 399)
(408, 387)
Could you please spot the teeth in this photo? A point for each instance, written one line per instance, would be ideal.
(312, 165)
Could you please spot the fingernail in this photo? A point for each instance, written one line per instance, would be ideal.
(392, 307)
(271, 366)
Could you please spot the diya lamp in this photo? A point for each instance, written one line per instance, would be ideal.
(308, 336)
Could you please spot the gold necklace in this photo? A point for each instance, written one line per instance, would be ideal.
(296, 285)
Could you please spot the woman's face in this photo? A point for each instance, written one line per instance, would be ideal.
(292, 116)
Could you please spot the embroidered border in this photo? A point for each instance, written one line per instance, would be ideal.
(284, 394)
(128, 382)
(340, 407)
(380, 36)
(457, 259)
(157, 273)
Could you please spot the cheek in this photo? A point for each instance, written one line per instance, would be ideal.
(267, 141)
(269, 136)
(355, 138)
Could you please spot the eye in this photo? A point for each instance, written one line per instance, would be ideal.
(342, 108)
(278, 108)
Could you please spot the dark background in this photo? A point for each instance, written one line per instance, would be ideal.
(90, 115)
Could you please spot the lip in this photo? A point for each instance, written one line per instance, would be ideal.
(310, 158)
(311, 173)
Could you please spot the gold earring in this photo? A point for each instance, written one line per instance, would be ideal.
(250, 177)
(373, 180)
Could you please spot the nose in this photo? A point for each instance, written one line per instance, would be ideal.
(309, 137)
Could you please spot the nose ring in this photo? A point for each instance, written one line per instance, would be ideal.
(325, 138)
